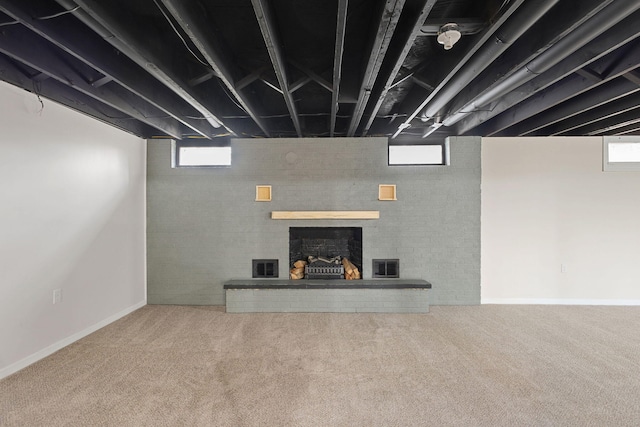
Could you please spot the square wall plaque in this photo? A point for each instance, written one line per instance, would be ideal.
(263, 193)
(387, 192)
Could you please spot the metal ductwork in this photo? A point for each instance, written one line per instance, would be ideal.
(509, 32)
(586, 32)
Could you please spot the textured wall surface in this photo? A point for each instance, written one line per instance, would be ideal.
(205, 227)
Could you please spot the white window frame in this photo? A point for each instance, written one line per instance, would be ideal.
(177, 148)
(415, 160)
(609, 165)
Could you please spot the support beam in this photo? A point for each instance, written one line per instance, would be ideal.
(633, 129)
(299, 83)
(313, 75)
(202, 78)
(399, 49)
(98, 17)
(589, 74)
(198, 32)
(26, 47)
(83, 45)
(389, 17)
(575, 124)
(271, 40)
(272, 86)
(247, 80)
(633, 76)
(101, 82)
(586, 101)
(611, 125)
(341, 29)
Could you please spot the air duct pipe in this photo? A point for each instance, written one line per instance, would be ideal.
(592, 28)
(510, 31)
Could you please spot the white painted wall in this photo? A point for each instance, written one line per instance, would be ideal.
(546, 203)
(72, 217)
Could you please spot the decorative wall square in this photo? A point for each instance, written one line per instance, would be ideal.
(387, 192)
(263, 193)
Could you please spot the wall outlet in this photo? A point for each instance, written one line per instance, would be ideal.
(57, 296)
(563, 268)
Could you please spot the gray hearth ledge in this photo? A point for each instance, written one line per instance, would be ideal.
(373, 295)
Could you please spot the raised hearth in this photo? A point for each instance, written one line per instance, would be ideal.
(329, 296)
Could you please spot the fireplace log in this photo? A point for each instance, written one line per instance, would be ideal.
(351, 272)
(297, 274)
(348, 265)
(299, 264)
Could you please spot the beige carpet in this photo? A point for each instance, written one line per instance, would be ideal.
(456, 366)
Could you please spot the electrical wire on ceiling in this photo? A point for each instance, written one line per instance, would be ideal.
(55, 15)
(226, 91)
(36, 90)
(42, 18)
(168, 18)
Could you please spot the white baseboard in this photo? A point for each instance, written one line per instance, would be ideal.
(559, 301)
(21, 364)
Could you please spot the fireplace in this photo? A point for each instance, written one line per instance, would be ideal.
(326, 247)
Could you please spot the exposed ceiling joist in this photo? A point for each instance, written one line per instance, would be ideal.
(195, 29)
(575, 125)
(389, 17)
(87, 47)
(176, 68)
(530, 116)
(271, 40)
(25, 46)
(622, 122)
(405, 40)
(341, 27)
(588, 54)
(63, 94)
(97, 16)
(575, 105)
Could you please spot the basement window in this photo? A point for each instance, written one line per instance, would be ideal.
(621, 153)
(190, 154)
(435, 154)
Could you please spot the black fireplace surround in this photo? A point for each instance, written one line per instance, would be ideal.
(326, 242)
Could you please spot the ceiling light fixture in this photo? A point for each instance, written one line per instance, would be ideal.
(449, 35)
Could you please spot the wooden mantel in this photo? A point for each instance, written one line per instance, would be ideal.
(325, 215)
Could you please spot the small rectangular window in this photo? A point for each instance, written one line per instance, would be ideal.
(621, 153)
(418, 154)
(189, 154)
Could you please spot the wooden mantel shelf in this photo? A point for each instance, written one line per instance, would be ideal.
(325, 215)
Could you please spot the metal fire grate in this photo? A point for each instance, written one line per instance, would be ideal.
(320, 270)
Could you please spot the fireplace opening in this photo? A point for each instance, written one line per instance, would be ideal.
(320, 252)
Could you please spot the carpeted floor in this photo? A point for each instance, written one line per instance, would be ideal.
(456, 366)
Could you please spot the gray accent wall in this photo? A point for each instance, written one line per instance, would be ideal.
(204, 226)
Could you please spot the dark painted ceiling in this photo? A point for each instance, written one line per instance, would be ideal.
(319, 68)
